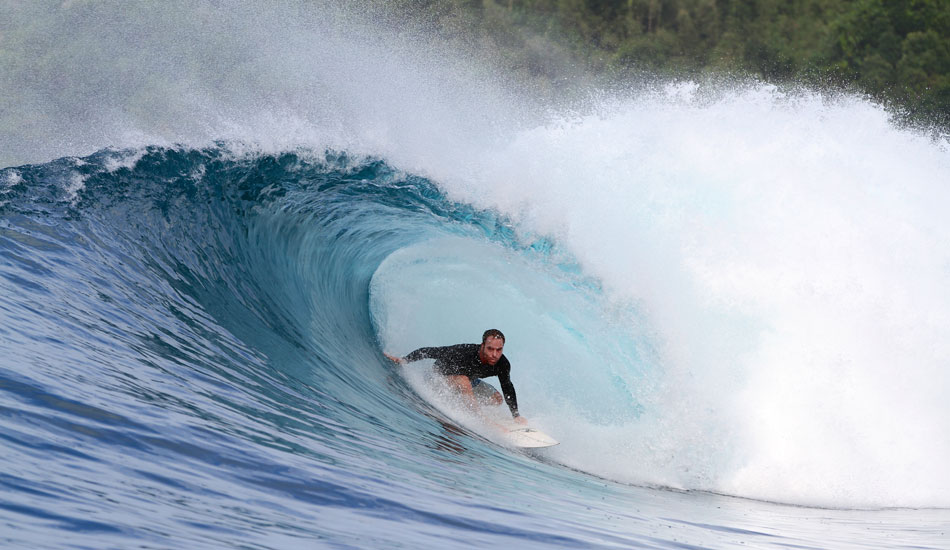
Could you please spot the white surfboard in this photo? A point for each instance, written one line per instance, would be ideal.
(530, 438)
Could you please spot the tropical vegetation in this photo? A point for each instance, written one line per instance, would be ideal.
(896, 51)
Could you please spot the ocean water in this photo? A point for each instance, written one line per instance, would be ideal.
(728, 300)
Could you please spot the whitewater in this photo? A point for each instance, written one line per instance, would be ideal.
(727, 299)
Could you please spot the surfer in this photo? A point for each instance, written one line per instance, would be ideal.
(464, 365)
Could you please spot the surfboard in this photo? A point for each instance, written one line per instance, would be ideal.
(530, 438)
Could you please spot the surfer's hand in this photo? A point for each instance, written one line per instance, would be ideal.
(393, 358)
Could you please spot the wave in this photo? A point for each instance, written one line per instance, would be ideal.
(724, 287)
(262, 270)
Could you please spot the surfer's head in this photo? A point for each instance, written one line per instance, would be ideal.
(493, 343)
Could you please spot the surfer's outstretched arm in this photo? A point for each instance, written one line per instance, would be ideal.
(394, 359)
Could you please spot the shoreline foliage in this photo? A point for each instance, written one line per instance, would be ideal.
(895, 51)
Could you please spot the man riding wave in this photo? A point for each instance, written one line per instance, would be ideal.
(464, 365)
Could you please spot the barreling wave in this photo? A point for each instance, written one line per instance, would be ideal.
(212, 255)
(175, 318)
(193, 329)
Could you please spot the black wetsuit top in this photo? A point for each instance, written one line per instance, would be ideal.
(462, 359)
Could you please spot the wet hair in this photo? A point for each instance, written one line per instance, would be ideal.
(493, 333)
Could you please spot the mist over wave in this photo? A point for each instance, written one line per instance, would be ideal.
(81, 76)
(787, 260)
(772, 264)
(789, 253)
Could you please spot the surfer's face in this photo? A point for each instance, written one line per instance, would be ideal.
(491, 349)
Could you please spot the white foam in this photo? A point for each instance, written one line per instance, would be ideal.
(790, 252)
(787, 254)
(11, 178)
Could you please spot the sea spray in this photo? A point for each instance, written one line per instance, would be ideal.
(788, 249)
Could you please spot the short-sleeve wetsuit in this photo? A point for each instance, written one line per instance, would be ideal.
(462, 359)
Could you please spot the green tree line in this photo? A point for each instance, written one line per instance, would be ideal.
(897, 51)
